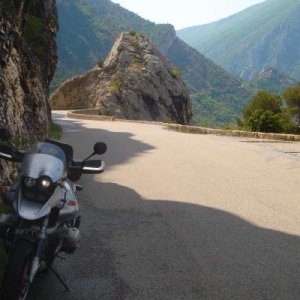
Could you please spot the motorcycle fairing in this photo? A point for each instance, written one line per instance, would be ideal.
(40, 164)
(31, 210)
(34, 166)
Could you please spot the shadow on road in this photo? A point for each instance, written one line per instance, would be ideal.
(121, 145)
(141, 249)
(136, 248)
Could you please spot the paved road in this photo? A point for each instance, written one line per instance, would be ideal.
(180, 216)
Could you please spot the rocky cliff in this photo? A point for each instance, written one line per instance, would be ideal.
(135, 82)
(27, 64)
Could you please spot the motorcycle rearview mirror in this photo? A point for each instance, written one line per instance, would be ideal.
(99, 148)
(5, 134)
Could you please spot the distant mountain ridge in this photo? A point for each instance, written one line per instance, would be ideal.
(262, 36)
(88, 29)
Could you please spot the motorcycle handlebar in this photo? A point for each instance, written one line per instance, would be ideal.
(10, 154)
(88, 166)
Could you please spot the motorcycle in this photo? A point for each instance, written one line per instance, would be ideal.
(45, 219)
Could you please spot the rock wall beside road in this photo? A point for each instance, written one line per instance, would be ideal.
(27, 64)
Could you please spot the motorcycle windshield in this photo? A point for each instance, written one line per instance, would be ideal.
(50, 149)
(45, 159)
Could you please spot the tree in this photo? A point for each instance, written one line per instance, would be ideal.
(263, 100)
(292, 96)
(266, 121)
(264, 113)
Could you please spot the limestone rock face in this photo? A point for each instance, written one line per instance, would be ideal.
(27, 64)
(135, 82)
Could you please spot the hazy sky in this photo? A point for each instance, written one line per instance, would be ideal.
(184, 13)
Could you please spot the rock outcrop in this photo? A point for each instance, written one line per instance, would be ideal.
(27, 63)
(135, 82)
(281, 79)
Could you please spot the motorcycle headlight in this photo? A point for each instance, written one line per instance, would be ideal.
(29, 182)
(45, 184)
(39, 190)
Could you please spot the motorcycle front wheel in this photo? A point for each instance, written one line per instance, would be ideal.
(16, 275)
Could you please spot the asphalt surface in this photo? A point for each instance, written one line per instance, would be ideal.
(182, 216)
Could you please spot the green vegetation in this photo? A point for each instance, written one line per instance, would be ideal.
(265, 101)
(168, 121)
(8, 9)
(36, 35)
(115, 88)
(265, 113)
(120, 48)
(176, 72)
(292, 97)
(55, 132)
(35, 31)
(264, 84)
(265, 121)
(132, 32)
(209, 112)
(100, 63)
(160, 33)
(271, 80)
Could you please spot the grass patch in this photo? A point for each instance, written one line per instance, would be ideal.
(168, 121)
(115, 88)
(176, 72)
(55, 132)
(100, 63)
(132, 32)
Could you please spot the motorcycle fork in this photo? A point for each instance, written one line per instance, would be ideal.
(38, 249)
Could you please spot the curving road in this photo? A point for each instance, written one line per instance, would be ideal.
(181, 216)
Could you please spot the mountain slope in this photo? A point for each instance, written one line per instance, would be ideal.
(88, 29)
(270, 80)
(262, 36)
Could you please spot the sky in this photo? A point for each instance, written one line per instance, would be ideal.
(185, 13)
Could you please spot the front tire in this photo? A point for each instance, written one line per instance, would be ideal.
(16, 275)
